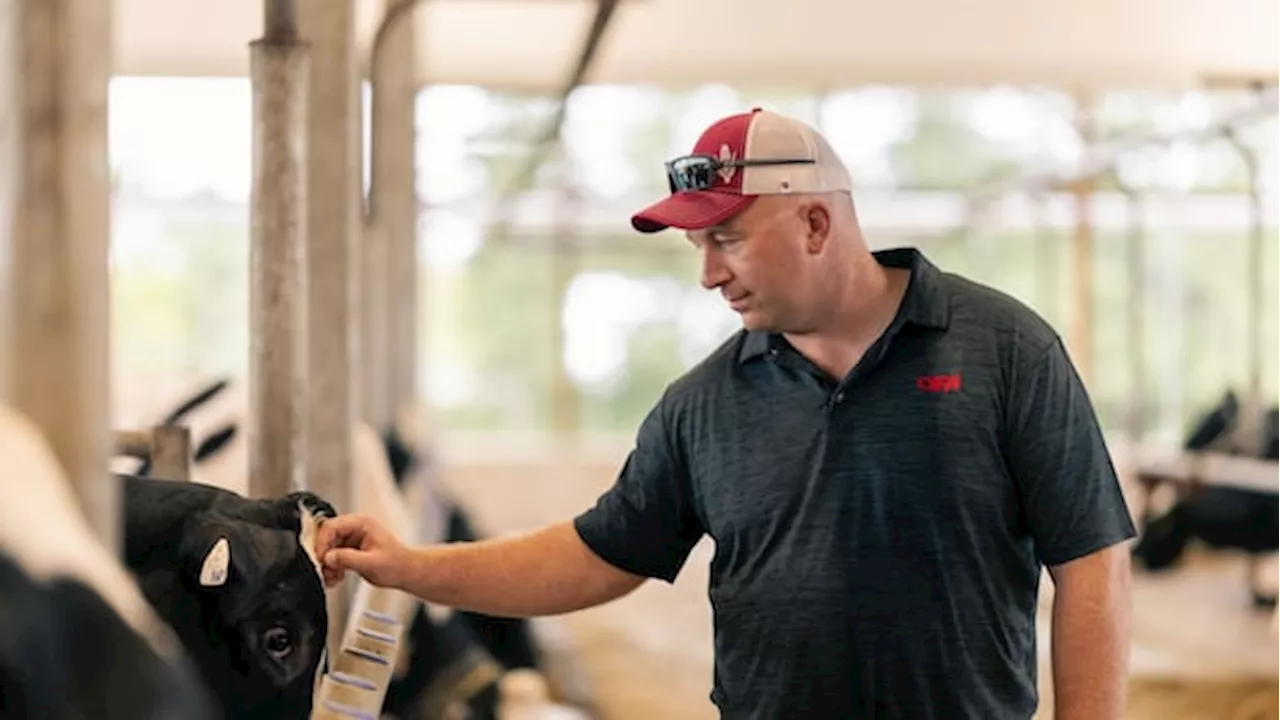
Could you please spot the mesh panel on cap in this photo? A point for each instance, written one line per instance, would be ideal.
(775, 136)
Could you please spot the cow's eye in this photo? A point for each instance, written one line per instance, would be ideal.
(278, 641)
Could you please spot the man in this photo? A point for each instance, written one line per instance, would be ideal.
(886, 456)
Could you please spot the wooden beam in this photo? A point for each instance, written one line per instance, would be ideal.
(167, 448)
(1211, 469)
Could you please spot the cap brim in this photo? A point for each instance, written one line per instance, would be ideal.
(693, 210)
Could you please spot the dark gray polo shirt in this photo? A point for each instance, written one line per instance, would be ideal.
(879, 540)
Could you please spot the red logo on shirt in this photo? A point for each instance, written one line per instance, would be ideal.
(939, 383)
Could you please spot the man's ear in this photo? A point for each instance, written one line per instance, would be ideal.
(816, 217)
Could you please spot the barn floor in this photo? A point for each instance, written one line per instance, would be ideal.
(1200, 653)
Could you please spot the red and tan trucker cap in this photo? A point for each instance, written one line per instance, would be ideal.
(737, 159)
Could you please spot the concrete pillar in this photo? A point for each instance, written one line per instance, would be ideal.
(57, 59)
(375, 388)
(393, 207)
(279, 64)
(334, 215)
(335, 212)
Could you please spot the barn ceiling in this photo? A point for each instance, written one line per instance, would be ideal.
(532, 44)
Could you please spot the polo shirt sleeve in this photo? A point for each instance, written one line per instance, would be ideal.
(1059, 461)
(645, 524)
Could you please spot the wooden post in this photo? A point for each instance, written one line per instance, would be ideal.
(166, 448)
(1136, 245)
(10, 131)
(1047, 270)
(1257, 270)
(279, 66)
(1081, 337)
(56, 59)
(374, 391)
(566, 262)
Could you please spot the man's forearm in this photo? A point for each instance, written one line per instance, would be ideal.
(1090, 647)
(546, 572)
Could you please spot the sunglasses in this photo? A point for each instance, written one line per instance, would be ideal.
(698, 172)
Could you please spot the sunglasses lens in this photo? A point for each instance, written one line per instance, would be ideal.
(690, 173)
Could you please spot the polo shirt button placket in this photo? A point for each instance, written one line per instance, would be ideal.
(833, 401)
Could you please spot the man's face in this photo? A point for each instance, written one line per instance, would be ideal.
(757, 261)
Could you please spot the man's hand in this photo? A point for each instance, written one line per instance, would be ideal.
(360, 544)
(544, 572)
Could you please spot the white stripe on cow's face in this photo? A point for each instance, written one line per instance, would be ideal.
(309, 525)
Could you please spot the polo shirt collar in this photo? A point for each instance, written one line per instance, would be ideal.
(925, 303)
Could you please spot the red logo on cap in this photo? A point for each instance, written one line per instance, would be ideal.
(726, 140)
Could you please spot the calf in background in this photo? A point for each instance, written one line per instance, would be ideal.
(1220, 516)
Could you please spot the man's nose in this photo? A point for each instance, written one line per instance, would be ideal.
(714, 273)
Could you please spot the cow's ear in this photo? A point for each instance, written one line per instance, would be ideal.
(216, 567)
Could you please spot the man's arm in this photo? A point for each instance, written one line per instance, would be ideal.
(1080, 525)
(644, 526)
(1090, 644)
(545, 572)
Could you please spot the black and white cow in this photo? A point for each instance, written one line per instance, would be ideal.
(238, 581)
(78, 639)
(1221, 516)
(446, 663)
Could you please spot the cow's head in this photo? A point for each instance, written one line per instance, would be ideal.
(1237, 426)
(1211, 427)
(259, 623)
